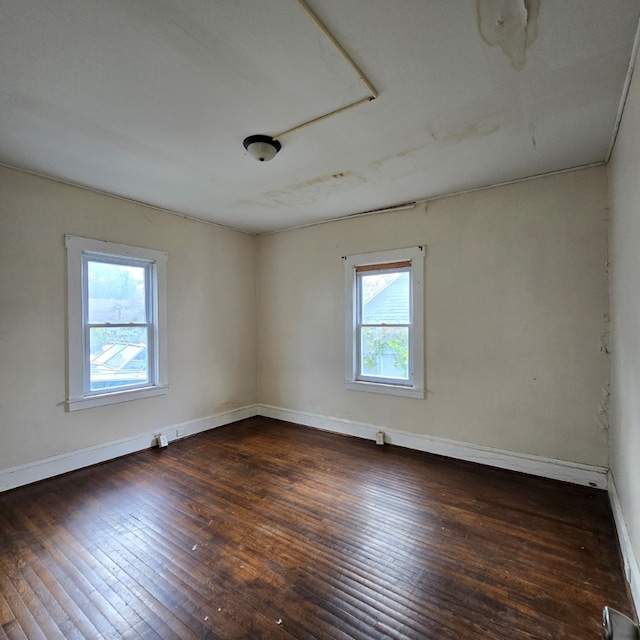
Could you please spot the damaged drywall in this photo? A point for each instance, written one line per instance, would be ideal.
(510, 24)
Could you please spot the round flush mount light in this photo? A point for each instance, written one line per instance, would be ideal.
(262, 148)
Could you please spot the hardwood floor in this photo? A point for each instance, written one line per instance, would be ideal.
(265, 529)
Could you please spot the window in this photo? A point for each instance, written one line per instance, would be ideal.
(384, 332)
(117, 322)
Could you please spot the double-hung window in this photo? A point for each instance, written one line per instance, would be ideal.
(385, 327)
(117, 322)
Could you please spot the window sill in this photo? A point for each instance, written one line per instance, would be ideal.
(88, 402)
(388, 389)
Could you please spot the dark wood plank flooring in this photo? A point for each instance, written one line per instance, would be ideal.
(265, 529)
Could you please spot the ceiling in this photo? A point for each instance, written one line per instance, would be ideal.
(151, 99)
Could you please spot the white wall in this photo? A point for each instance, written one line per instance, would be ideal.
(211, 317)
(624, 185)
(516, 296)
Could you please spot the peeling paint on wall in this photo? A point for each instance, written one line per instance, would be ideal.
(510, 24)
(604, 338)
(602, 419)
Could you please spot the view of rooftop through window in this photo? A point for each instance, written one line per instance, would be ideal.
(118, 330)
(374, 284)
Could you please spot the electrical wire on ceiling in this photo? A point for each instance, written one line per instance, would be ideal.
(263, 147)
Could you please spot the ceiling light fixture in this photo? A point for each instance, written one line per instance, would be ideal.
(262, 148)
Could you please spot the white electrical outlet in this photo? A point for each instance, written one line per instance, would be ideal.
(162, 441)
(380, 437)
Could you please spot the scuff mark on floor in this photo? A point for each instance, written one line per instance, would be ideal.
(510, 24)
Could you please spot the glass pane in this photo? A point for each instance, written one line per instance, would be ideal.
(385, 298)
(119, 357)
(385, 352)
(116, 293)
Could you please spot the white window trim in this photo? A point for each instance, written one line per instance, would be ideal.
(76, 247)
(416, 255)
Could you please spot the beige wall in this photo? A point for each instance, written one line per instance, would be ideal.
(211, 317)
(516, 295)
(624, 182)
(516, 292)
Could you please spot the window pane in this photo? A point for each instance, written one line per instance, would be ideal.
(385, 298)
(385, 352)
(116, 293)
(119, 357)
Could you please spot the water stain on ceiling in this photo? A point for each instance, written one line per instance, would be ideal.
(510, 24)
(467, 132)
(151, 100)
(315, 189)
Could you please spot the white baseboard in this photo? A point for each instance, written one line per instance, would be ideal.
(582, 474)
(631, 569)
(535, 465)
(54, 466)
